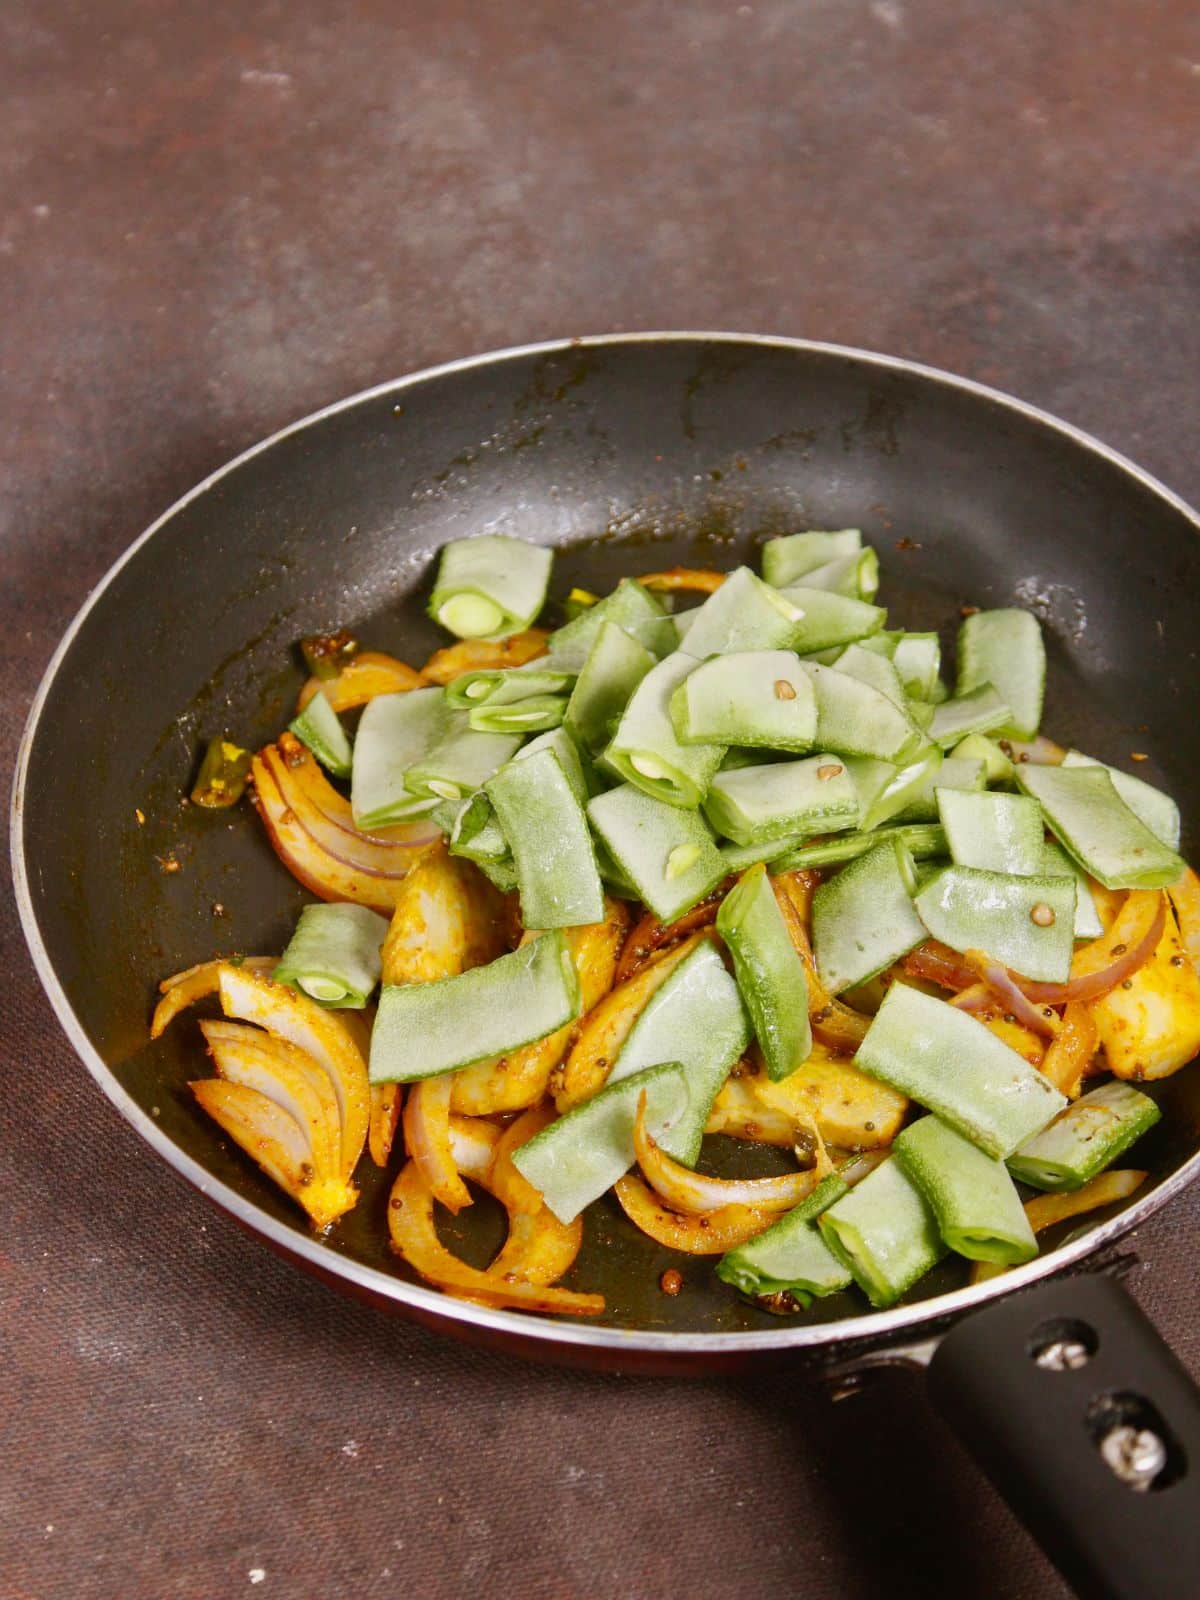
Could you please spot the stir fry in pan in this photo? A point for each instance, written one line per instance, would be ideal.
(720, 855)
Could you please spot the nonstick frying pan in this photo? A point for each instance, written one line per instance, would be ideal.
(631, 453)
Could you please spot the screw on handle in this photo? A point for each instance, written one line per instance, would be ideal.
(1087, 1423)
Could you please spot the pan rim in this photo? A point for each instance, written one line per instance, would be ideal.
(918, 1318)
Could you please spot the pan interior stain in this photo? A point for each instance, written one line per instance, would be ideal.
(963, 507)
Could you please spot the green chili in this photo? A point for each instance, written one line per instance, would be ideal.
(221, 781)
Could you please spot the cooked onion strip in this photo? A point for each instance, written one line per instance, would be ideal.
(363, 676)
(484, 655)
(427, 1140)
(1070, 1053)
(607, 1026)
(651, 935)
(697, 1195)
(323, 1034)
(693, 580)
(474, 1144)
(263, 1129)
(1185, 897)
(411, 1225)
(323, 874)
(833, 1022)
(386, 1101)
(326, 815)
(998, 984)
(288, 1076)
(1044, 1210)
(447, 918)
(184, 988)
(709, 1235)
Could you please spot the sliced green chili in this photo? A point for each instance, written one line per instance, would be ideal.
(221, 781)
(333, 956)
(547, 830)
(955, 1067)
(978, 1210)
(1085, 1138)
(883, 1233)
(770, 973)
(423, 1029)
(318, 727)
(791, 1257)
(921, 840)
(491, 586)
(325, 654)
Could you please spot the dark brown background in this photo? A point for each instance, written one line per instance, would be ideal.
(216, 218)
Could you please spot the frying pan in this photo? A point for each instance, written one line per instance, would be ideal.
(630, 453)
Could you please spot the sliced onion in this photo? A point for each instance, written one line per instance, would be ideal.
(323, 1034)
(386, 1102)
(286, 1075)
(515, 1192)
(1039, 752)
(934, 962)
(1044, 1210)
(365, 675)
(427, 1140)
(997, 983)
(691, 580)
(1185, 897)
(709, 1235)
(607, 1026)
(326, 815)
(1070, 1054)
(309, 863)
(697, 1195)
(474, 1144)
(651, 935)
(411, 1225)
(484, 655)
(185, 988)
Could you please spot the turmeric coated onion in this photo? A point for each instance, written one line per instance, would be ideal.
(364, 676)
(998, 984)
(414, 1237)
(1185, 897)
(697, 1195)
(427, 1140)
(484, 655)
(693, 580)
(709, 1235)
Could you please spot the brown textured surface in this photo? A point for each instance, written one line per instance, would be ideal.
(218, 218)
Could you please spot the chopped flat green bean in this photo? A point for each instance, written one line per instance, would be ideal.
(644, 749)
(955, 1067)
(785, 560)
(863, 919)
(758, 698)
(770, 973)
(980, 711)
(664, 852)
(1096, 827)
(1005, 649)
(791, 1257)
(547, 831)
(978, 1210)
(884, 1234)
(1026, 923)
(1085, 1138)
(395, 731)
(490, 586)
(998, 832)
(615, 666)
(752, 804)
(318, 727)
(1150, 805)
(333, 956)
(631, 607)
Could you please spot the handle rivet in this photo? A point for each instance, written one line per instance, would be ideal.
(1063, 1355)
(1135, 1455)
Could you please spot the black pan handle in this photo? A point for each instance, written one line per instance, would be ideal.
(1090, 1428)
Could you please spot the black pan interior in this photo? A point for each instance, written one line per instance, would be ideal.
(629, 455)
